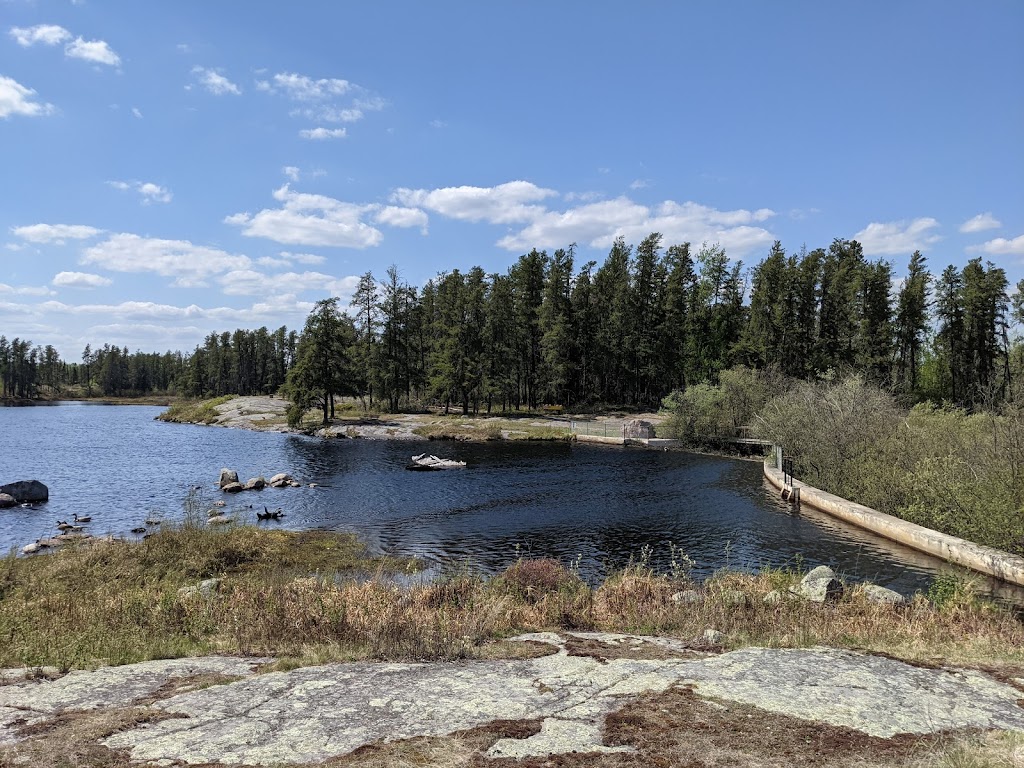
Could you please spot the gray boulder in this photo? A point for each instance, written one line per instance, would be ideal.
(687, 596)
(876, 594)
(26, 490)
(773, 598)
(255, 484)
(204, 589)
(712, 637)
(227, 476)
(820, 585)
(234, 487)
(280, 480)
(6, 500)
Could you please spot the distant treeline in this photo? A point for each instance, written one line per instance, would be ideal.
(648, 321)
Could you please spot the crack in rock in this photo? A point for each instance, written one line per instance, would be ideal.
(104, 687)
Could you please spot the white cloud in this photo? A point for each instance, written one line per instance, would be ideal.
(55, 233)
(598, 224)
(136, 112)
(1001, 247)
(247, 282)
(898, 237)
(639, 184)
(980, 223)
(310, 220)
(148, 191)
(302, 88)
(47, 34)
(214, 82)
(395, 216)
(189, 264)
(273, 262)
(25, 290)
(291, 171)
(303, 258)
(508, 203)
(16, 99)
(438, 124)
(96, 51)
(320, 134)
(80, 280)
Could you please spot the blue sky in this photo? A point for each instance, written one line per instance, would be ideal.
(176, 168)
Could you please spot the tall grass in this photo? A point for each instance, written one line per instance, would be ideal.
(313, 597)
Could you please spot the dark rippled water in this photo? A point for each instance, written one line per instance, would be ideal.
(598, 506)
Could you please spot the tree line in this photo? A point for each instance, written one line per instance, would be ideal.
(647, 321)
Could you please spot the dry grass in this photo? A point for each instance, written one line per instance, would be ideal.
(195, 411)
(468, 429)
(315, 597)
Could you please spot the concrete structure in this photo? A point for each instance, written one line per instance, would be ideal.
(993, 562)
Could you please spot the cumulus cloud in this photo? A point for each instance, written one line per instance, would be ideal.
(16, 99)
(47, 34)
(980, 223)
(80, 280)
(214, 82)
(898, 237)
(96, 51)
(55, 233)
(595, 223)
(25, 290)
(1001, 247)
(395, 216)
(148, 191)
(305, 219)
(303, 258)
(248, 282)
(512, 202)
(321, 133)
(291, 171)
(303, 88)
(190, 265)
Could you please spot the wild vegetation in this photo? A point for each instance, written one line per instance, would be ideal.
(316, 596)
(940, 466)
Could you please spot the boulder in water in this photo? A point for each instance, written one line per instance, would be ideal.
(227, 476)
(26, 490)
(6, 500)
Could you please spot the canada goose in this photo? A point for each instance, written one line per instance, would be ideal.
(153, 520)
(138, 530)
(64, 525)
(86, 519)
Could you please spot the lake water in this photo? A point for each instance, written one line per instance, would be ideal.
(596, 505)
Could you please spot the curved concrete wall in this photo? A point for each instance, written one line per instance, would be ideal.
(993, 562)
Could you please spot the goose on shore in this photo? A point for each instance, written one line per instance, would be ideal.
(64, 525)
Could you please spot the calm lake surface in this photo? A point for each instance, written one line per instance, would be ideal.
(597, 505)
